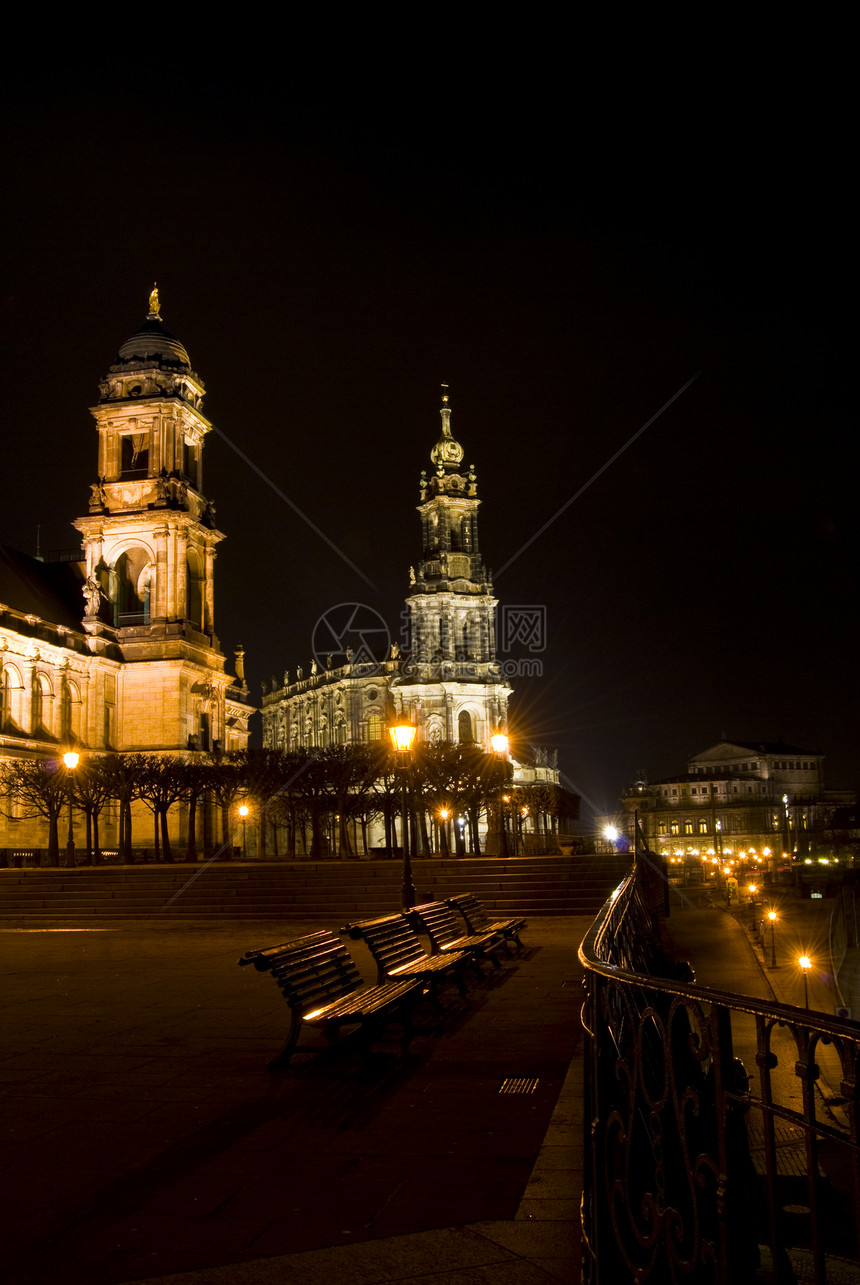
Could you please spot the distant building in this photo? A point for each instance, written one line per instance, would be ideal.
(448, 679)
(116, 650)
(738, 797)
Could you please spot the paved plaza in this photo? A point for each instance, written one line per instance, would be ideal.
(143, 1136)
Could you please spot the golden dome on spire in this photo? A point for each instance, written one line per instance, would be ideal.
(447, 452)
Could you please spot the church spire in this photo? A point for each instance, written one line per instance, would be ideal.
(447, 454)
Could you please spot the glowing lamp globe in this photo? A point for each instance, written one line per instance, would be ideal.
(402, 736)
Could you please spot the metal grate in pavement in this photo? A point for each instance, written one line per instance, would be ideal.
(519, 1084)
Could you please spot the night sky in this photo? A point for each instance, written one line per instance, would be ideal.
(566, 258)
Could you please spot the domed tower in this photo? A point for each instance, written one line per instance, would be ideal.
(150, 540)
(452, 680)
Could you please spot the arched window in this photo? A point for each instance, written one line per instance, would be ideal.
(70, 712)
(465, 731)
(11, 699)
(43, 701)
(374, 727)
(131, 575)
(194, 589)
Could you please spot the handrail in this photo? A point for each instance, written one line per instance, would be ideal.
(688, 1174)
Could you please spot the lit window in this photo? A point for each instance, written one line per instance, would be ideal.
(703, 826)
(688, 827)
(374, 727)
(661, 827)
(675, 828)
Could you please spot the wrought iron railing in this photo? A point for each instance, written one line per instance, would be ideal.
(689, 1174)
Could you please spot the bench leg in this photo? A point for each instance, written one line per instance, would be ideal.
(282, 1060)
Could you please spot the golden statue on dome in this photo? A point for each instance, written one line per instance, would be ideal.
(154, 305)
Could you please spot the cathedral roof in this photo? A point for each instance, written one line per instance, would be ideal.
(49, 590)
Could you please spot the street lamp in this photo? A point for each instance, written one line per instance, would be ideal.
(243, 813)
(402, 737)
(611, 834)
(753, 890)
(771, 914)
(500, 744)
(805, 964)
(71, 760)
(444, 813)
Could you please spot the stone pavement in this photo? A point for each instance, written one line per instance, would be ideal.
(143, 1137)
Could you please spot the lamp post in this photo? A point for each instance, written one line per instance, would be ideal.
(243, 813)
(753, 890)
(402, 737)
(444, 813)
(805, 964)
(71, 760)
(500, 743)
(771, 914)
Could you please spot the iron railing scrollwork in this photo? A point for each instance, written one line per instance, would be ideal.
(689, 1174)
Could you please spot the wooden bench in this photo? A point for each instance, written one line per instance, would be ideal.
(445, 932)
(398, 953)
(477, 920)
(323, 988)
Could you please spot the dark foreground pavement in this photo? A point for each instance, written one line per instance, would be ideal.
(143, 1137)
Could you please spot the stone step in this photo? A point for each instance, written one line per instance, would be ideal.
(329, 890)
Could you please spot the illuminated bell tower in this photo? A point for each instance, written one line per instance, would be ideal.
(452, 681)
(150, 539)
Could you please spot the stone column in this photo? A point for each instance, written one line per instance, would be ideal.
(209, 601)
(28, 667)
(180, 605)
(158, 609)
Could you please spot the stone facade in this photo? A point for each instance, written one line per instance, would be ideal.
(448, 680)
(118, 651)
(737, 797)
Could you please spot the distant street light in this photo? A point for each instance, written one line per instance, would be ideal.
(71, 760)
(805, 964)
(753, 890)
(771, 914)
(243, 813)
(402, 737)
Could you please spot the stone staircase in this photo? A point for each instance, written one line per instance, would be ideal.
(330, 891)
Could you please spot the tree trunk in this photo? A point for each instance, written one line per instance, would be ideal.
(473, 826)
(191, 850)
(316, 835)
(165, 835)
(126, 851)
(423, 836)
(344, 840)
(53, 857)
(96, 848)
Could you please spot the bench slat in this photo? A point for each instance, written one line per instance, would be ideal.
(322, 985)
(398, 952)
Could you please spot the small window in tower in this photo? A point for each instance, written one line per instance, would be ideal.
(135, 455)
(189, 461)
(464, 726)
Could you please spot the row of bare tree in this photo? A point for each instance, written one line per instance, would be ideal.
(304, 801)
